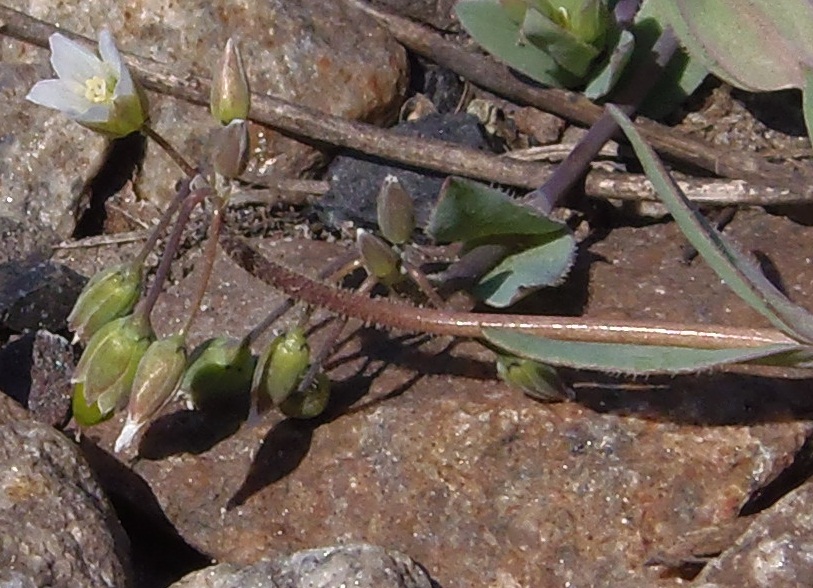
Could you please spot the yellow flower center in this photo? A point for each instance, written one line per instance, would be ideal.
(98, 90)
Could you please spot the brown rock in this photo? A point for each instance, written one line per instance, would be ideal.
(472, 479)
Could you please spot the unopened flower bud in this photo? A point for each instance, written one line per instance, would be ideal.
(110, 294)
(231, 149)
(230, 98)
(310, 403)
(219, 373)
(158, 375)
(281, 367)
(105, 372)
(396, 212)
(378, 257)
(535, 379)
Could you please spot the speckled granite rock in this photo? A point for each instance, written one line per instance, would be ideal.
(362, 566)
(45, 159)
(775, 551)
(317, 54)
(56, 527)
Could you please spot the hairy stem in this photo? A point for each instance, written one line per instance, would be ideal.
(403, 317)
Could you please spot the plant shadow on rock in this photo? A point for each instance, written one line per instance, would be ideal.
(160, 555)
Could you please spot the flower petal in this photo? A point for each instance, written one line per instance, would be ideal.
(109, 52)
(96, 113)
(73, 62)
(124, 85)
(63, 95)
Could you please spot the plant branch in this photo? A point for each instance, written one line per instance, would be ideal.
(671, 143)
(403, 317)
(447, 157)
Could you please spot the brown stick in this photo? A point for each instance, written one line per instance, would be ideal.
(432, 154)
(488, 74)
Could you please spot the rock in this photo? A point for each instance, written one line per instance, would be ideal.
(437, 13)
(422, 449)
(355, 183)
(56, 526)
(37, 294)
(36, 370)
(315, 54)
(774, 552)
(46, 159)
(365, 566)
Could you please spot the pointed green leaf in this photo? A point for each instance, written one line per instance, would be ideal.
(607, 77)
(626, 358)
(738, 272)
(542, 249)
(757, 45)
(492, 27)
(468, 210)
(522, 273)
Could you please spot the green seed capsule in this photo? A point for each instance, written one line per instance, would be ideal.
(110, 294)
(379, 259)
(282, 366)
(310, 403)
(219, 373)
(108, 365)
(158, 375)
(396, 212)
(535, 379)
(230, 98)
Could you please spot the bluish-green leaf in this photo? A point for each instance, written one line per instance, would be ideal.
(738, 272)
(468, 210)
(490, 25)
(522, 273)
(626, 358)
(541, 250)
(607, 77)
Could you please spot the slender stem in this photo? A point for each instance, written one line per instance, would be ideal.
(173, 153)
(209, 256)
(147, 303)
(159, 229)
(577, 163)
(333, 272)
(402, 317)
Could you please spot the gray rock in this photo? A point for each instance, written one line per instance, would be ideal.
(437, 13)
(359, 565)
(56, 527)
(775, 551)
(36, 370)
(37, 294)
(355, 182)
(45, 160)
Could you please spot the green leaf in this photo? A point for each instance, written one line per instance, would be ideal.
(607, 77)
(682, 75)
(626, 358)
(807, 101)
(525, 272)
(738, 272)
(468, 210)
(542, 249)
(757, 45)
(563, 46)
(491, 26)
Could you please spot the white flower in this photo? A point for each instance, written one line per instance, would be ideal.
(97, 93)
